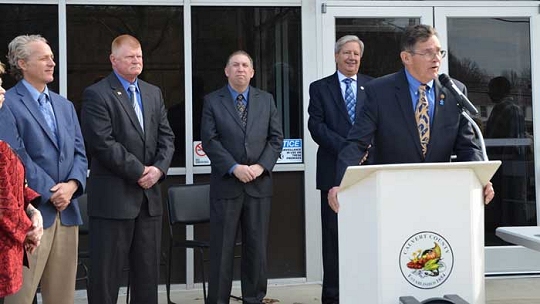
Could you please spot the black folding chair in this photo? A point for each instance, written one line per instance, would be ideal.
(188, 205)
(83, 230)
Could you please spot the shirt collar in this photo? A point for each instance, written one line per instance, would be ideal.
(126, 83)
(34, 92)
(235, 94)
(341, 76)
(414, 83)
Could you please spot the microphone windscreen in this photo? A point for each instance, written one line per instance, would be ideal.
(444, 79)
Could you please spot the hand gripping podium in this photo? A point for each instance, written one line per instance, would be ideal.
(412, 230)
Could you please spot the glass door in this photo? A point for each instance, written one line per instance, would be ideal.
(378, 27)
(489, 46)
(490, 50)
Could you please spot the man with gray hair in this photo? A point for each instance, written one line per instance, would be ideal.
(56, 166)
(334, 101)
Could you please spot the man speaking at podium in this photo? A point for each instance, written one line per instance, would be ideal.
(408, 115)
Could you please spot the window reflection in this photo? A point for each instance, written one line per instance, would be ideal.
(90, 31)
(381, 37)
(270, 35)
(497, 72)
(29, 19)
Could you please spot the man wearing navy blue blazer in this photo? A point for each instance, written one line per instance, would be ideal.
(388, 118)
(329, 123)
(56, 167)
(125, 124)
(242, 135)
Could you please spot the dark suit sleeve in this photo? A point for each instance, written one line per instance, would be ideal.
(274, 141)
(466, 146)
(360, 136)
(97, 129)
(165, 140)
(222, 160)
(80, 162)
(321, 134)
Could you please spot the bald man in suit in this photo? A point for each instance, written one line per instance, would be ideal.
(242, 135)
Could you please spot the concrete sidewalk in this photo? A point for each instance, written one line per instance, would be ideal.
(506, 290)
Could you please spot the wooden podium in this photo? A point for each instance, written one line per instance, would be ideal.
(412, 230)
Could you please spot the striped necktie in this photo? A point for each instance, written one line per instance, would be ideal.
(350, 100)
(135, 104)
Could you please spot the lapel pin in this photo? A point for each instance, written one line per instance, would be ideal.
(119, 93)
(362, 88)
(441, 101)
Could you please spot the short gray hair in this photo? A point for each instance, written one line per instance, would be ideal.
(346, 39)
(18, 50)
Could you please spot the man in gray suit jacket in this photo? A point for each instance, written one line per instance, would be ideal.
(125, 124)
(242, 135)
(55, 161)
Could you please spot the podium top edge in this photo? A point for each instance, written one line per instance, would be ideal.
(353, 174)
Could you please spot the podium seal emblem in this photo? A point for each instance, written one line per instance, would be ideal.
(426, 260)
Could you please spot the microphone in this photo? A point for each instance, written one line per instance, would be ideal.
(462, 99)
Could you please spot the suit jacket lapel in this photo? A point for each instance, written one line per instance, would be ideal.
(122, 97)
(34, 110)
(438, 110)
(146, 104)
(360, 92)
(334, 87)
(229, 106)
(61, 121)
(403, 98)
(254, 107)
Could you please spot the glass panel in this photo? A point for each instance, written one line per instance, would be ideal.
(497, 73)
(381, 37)
(29, 19)
(90, 31)
(270, 35)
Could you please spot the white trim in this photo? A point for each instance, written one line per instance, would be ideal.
(188, 118)
(394, 4)
(127, 2)
(311, 65)
(62, 48)
(249, 3)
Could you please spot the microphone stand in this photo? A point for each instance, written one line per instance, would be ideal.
(478, 132)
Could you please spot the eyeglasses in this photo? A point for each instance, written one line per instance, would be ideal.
(430, 55)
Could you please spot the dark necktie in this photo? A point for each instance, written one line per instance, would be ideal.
(241, 108)
(350, 101)
(46, 109)
(135, 104)
(422, 118)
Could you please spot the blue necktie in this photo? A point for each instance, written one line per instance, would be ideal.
(350, 100)
(46, 109)
(136, 105)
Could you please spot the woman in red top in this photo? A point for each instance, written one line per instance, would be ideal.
(21, 225)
